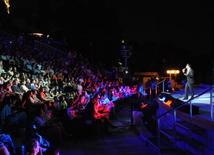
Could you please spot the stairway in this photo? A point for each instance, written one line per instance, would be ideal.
(181, 134)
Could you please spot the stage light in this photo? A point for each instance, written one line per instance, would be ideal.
(7, 3)
(37, 34)
(173, 71)
(177, 72)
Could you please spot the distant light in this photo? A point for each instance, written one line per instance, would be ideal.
(37, 34)
(122, 41)
(172, 71)
(120, 63)
(126, 72)
(7, 3)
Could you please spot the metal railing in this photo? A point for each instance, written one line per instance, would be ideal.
(174, 110)
(188, 101)
(157, 85)
(212, 103)
(163, 86)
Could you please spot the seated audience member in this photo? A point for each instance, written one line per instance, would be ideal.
(42, 95)
(101, 113)
(6, 144)
(23, 87)
(48, 126)
(3, 149)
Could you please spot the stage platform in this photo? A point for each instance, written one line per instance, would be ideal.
(203, 118)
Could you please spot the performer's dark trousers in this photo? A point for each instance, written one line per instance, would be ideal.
(189, 85)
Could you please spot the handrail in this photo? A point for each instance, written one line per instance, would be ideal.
(160, 82)
(211, 103)
(160, 116)
(156, 86)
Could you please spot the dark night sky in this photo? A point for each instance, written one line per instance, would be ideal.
(170, 33)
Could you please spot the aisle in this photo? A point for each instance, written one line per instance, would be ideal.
(121, 141)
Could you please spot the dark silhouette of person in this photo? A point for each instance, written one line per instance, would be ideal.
(189, 73)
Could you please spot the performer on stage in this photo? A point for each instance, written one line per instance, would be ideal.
(189, 73)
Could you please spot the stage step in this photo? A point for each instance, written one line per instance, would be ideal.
(166, 147)
(190, 138)
(182, 142)
(191, 133)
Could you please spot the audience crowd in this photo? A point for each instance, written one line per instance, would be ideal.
(52, 94)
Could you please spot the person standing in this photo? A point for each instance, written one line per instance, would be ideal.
(189, 73)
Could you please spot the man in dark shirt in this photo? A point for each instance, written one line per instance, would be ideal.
(189, 73)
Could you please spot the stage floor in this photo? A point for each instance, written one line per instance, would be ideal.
(203, 101)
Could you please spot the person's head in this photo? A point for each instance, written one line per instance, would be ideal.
(33, 93)
(41, 89)
(188, 65)
(33, 81)
(23, 82)
(16, 81)
(10, 68)
(28, 80)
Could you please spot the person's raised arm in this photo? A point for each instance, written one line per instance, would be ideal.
(186, 71)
